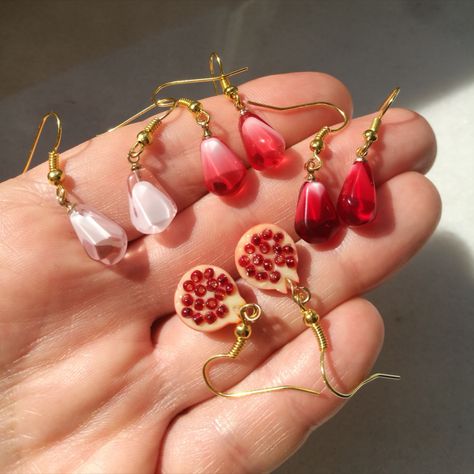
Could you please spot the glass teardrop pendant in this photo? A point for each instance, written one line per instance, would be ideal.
(102, 238)
(316, 218)
(264, 145)
(151, 209)
(357, 201)
(223, 171)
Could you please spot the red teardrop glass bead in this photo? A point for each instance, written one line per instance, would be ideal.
(223, 171)
(357, 201)
(264, 145)
(316, 218)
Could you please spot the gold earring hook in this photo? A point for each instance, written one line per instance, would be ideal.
(222, 78)
(301, 296)
(59, 134)
(371, 134)
(242, 333)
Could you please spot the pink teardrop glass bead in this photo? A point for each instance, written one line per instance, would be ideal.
(357, 201)
(316, 219)
(264, 145)
(102, 238)
(223, 171)
(151, 208)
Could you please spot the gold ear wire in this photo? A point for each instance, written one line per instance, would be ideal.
(301, 296)
(242, 333)
(371, 135)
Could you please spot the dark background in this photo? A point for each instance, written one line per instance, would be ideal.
(96, 63)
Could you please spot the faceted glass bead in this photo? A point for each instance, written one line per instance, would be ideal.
(102, 238)
(151, 208)
(357, 201)
(265, 146)
(316, 219)
(223, 171)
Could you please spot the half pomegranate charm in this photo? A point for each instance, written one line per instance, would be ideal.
(207, 299)
(266, 257)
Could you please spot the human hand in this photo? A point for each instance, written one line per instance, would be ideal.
(98, 375)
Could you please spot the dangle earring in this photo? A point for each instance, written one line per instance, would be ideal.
(223, 171)
(151, 208)
(102, 238)
(207, 299)
(265, 147)
(316, 219)
(357, 201)
(266, 258)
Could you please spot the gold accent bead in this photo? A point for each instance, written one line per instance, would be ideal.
(231, 90)
(243, 330)
(144, 137)
(317, 145)
(310, 317)
(55, 176)
(195, 107)
(371, 135)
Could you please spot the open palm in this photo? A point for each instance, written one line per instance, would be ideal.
(99, 375)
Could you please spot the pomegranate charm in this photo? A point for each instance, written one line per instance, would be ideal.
(266, 257)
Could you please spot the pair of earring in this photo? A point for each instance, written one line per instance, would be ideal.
(316, 219)
(207, 299)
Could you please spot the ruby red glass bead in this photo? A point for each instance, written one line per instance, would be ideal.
(357, 201)
(316, 219)
(223, 171)
(265, 147)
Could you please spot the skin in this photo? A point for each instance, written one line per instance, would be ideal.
(99, 375)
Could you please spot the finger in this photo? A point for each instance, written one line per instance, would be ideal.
(98, 169)
(332, 276)
(257, 433)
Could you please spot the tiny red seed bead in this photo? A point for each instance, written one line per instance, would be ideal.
(186, 312)
(198, 319)
(264, 247)
(244, 261)
(208, 273)
(268, 264)
(257, 259)
(210, 317)
(255, 239)
(288, 249)
(199, 304)
(278, 237)
(260, 276)
(229, 288)
(277, 249)
(249, 248)
(219, 294)
(280, 260)
(211, 303)
(267, 234)
(200, 290)
(274, 276)
(196, 276)
(212, 284)
(250, 270)
(187, 300)
(222, 310)
(222, 279)
(188, 285)
(290, 261)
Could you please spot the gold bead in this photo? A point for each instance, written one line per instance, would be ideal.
(231, 90)
(144, 137)
(317, 145)
(195, 106)
(310, 317)
(371, 135)
(242, 330)
(55, 176)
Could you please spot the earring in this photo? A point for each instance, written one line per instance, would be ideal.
(207, 299)
(266, 257)
(265, 147)
(223, 171)
(151, 208)
(316, 219)
(356, 204)
(102, 238)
